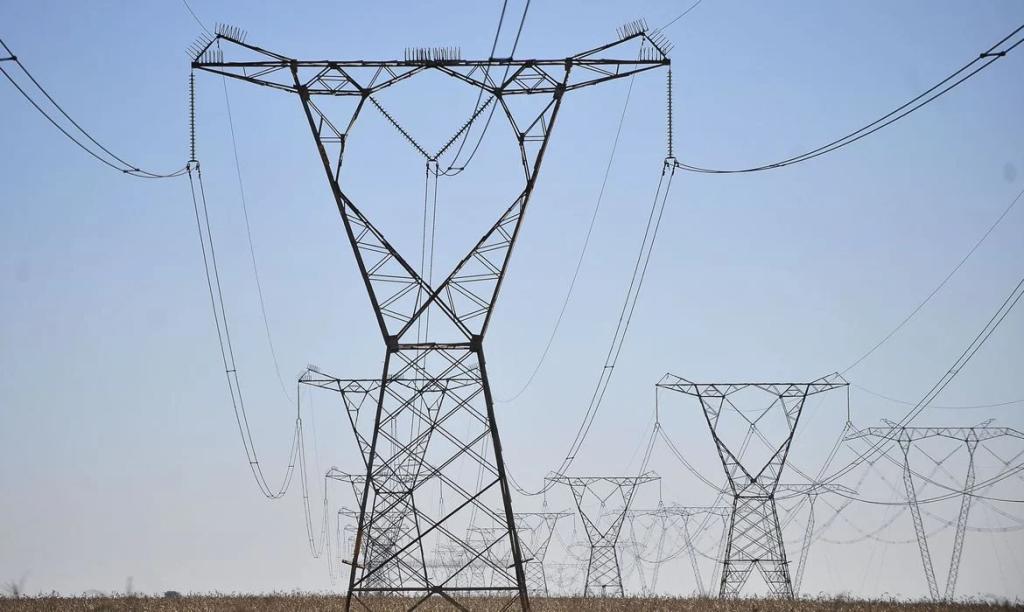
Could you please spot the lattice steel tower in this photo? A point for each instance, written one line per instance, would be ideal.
(811, 490)
(535, 532)
(604, 572)
(906, 437)
(754, 536)
(434, 427)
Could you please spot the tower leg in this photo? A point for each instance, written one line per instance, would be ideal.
(915, 513)
(805, 547)
(755, 540)
(961, 523)
(604, 578)
(434, 463)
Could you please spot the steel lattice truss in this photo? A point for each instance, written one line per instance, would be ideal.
(754, 535)
(906, 437)
(434, 423)
(604, 572)
(535, 532)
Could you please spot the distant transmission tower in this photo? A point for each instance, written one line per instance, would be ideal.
(433, 428)
(535, 532)
(678, 518)
(755, 536)
(811, 490)
(906, 437)
(604, 572)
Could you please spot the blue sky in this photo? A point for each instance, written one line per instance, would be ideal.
(119, 450)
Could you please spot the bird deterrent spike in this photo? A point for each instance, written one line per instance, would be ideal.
(232, 33)
(632, 28)
(199, 45)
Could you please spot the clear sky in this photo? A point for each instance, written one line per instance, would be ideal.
(119, 455)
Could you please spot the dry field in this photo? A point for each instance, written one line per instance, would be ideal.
(317, 603)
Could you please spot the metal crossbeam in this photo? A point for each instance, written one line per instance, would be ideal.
(432, 427)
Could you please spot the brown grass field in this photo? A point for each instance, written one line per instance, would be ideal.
(317, 603)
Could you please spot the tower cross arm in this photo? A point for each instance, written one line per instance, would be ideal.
(582, 481)
(813, 488)
(230, 56)
(313, 377)
(910, 434)
(785, 390)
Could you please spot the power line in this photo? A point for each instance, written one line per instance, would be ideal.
(583, 250)
(227, 350)
(451, 170)
(986, 58)
(196, 17)
(938, 287)
(975, 345)
(681, 15)
(248, 235)
(110, 159)
(480, 92)
(961, 407)
(622, 326)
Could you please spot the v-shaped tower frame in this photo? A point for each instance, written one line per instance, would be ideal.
(755, 536)
(434, 427)
(603, 527)
(907, 437)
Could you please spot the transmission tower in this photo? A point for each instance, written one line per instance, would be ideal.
(811, 490)
(678, 517)
(449, 560)
(356, 481)
(535, 532)
(563, 576)
(434, 423)
(379, 546)
(907, 437)
(604, 573)
(754, 536)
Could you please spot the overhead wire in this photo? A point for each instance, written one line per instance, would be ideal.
(583, 250)
(227, 352)
(622, 326)
(938, 287)
(480, 92)
(212, 273)
(681, 15)
(934, 407)
(196, 17)
(975, 345)
(593, 217)
(110, 159)
(986, 58)
(252, 248)
(917, 309)
(608, 368)
(451, 170)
